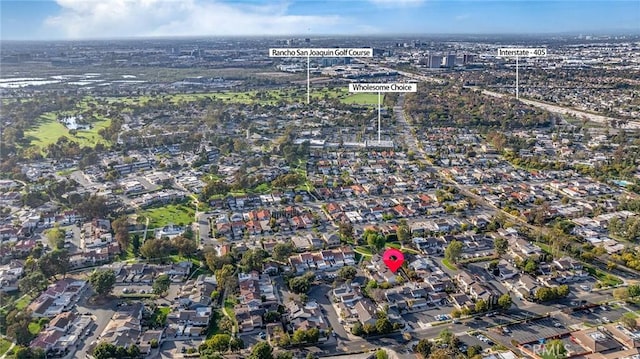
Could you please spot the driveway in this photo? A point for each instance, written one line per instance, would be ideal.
(319, 294)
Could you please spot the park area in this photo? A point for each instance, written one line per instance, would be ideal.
(178, 214)
(48, 130)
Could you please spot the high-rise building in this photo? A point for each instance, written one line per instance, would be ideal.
(435, 61)
(467, 59)
(450, 61)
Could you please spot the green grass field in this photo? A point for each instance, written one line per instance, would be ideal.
(266, 97)
(180, 214)
(362, 99)
(4, 346)
(34, 328)
(23, 302)
(48, 130)
(448, 264)
(230, 312)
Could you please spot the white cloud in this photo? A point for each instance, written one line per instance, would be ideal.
(125, 18)
(398, 3)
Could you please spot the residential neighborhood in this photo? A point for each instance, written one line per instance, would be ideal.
(171, 215)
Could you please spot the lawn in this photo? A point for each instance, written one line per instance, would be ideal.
(606, 279)
(180, 214)
(23, 302)
(365, 251)
(362, 99)
(48, 130)
(448, 264)
(4, 346)
(34, 328)
(228, 308)
(395, 245)
(230, 312)
(268, 97)
(160, 316)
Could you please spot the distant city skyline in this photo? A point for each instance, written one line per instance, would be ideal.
(105, 19)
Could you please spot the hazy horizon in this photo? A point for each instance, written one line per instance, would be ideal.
(137, 19)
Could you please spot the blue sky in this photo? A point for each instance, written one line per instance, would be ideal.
(78, 19)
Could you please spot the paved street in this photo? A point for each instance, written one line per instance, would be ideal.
(319, 294)
(567, 111)
(102, 314)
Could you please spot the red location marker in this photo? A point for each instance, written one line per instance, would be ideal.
(393, 258)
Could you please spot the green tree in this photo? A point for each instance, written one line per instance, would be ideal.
(271, 317)
(161, 284)
(501, 245)
(301, 284)
(453, 251)
(347, 273)
(346, 231)
(226, 277)
(219, 342)
(456, 313)
(381, 354)
(634, 290)
(282, 251)
(236, 344)
(424, 348)
(474, 350)
(253, 259)
(103, 281)
(53, 263)
(19, 331)
(226, 325)
(55, 237)
(369, 329)
(384, 326)
(403, 232)
(544, 294)
(562, 291)
(120, 228)
(104, 350)
(284, 355)
(33, 283)
(154, 248)
(629, 322)
(374, 239)
(505, 301)
(530, 266)
(135, 244)
(21, 352)
(261, 350)
(186, 247)
(357, 329)
(481, 306)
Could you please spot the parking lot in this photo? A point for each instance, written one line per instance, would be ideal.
(471, 340)
(579, 289)
(422, 319)
(533, 331)
(601, 314)
(132, 289)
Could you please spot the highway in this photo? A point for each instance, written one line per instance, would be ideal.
(569, 111)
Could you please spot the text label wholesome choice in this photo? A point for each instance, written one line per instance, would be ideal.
(383, 87)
